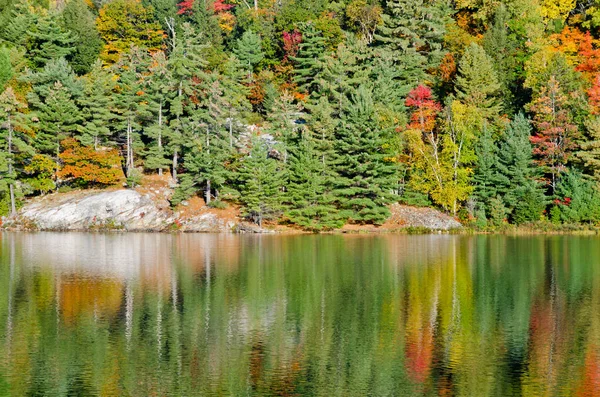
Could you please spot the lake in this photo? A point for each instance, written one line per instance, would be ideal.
(332, 315)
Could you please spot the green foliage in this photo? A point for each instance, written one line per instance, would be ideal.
(6, 69)
(249, 50)
(40, 172)
(262, 178)
(81, 22)
(578, 198)
(48, 40)
(365, 174)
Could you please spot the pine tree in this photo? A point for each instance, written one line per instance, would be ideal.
(6, 69)
(311, 204)
(413, 32)
(97, 104)
(131, 104)
(308, 61)
(22, 18)
(59, 118)
(158, 85)
(477, 84)
(366, 176)
(262, 179)
(249, 50)
(186, 61)
(49, 40)
(78, 19)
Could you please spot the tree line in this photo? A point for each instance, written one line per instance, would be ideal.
(314, 113)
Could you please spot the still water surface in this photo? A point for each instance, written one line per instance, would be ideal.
(186, 315)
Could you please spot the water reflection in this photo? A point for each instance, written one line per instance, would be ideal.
(154, 314)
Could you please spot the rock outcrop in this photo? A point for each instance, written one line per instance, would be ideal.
(404, 216)
(108, 210)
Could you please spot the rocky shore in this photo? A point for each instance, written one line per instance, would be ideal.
(148, 210)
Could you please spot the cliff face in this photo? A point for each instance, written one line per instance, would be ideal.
(148, 209)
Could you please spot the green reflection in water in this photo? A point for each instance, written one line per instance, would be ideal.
(186, 315)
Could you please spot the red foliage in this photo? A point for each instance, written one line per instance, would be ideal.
(291, 43)
(594, 96)
(185, 7)
(425, 108)
(220, 6)
(90, 166)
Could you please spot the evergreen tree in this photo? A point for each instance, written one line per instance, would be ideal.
(262, 178)
(131, 107)
(81, 22)
(516, 179)
(48, 40)
(22, 18)
(249, 50)
(413, 32)
(308, 61)
(59, 118)
(477, 84)
(97, 104)
(308, 192)
(186, 61)
(158, 85)
(483, 179)
(578, 198)
(6, 69)
(366, 176)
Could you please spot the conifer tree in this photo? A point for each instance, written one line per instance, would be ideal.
(186, 60)
(516, 179)
(249, 50)
(80, 21)
(262, 178)
(311, 204)
(483, 179)
(366, 176)
(308, 61)
(59, 118)
(131, 104)
(413, 32)
(477, 84)
(48, 40)
(97, 105)
(158, 85)
(6, 70)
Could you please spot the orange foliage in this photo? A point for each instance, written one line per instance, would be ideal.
(581, 49)
(90, 166)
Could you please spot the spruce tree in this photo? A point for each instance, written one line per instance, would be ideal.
(516, 179)
(262, 178)
(483, 178)
(366, 175)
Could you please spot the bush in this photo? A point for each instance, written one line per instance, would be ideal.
(218, 204)
(89, 166)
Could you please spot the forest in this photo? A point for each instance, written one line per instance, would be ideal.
(312, 113)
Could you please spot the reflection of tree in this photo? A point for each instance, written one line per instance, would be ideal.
(304, 315)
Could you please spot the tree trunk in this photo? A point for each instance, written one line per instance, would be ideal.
(13, 205)
(127, 146)
(160, 171)
(207, 192)
(175, 159)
